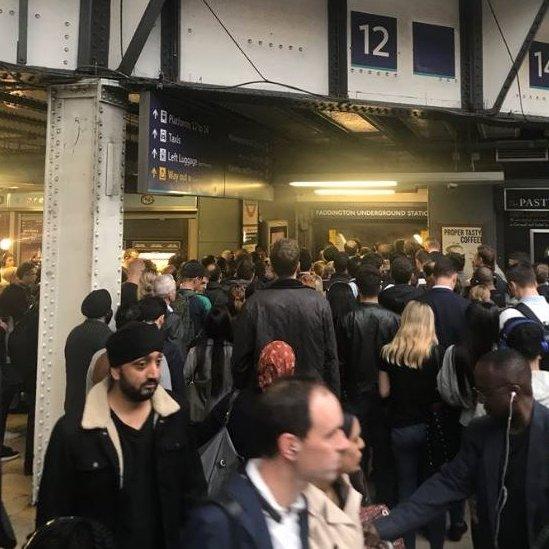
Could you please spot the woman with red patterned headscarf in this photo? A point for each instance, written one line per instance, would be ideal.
(277, 359)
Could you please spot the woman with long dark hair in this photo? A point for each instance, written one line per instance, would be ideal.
(455, 380)
(208, 365)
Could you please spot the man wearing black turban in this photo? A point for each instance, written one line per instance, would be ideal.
(128, 462)
(82, 343)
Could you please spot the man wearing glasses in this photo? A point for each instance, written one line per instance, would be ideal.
(503, 462)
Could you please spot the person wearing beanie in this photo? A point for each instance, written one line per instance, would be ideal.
(128, 461)
(82, 343)
(154, 311)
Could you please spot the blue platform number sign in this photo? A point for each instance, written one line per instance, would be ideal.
(373, 41)
(539, 65)
(434, 50)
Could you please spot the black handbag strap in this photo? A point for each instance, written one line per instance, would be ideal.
(232, 399)
(528, 313)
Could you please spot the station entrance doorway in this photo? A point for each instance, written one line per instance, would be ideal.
(368, 224)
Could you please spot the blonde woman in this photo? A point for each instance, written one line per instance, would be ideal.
(408, 378)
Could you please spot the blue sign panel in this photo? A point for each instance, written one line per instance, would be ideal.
(182, 151)
(434, 50)
(539, 65)
(373, 41)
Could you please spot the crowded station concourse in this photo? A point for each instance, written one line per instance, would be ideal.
(234, 401)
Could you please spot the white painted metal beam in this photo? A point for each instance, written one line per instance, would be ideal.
(82, 242)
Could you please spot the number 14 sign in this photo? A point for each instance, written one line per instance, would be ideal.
(539, 65)
(373, 41)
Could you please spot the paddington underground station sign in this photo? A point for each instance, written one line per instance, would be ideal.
(407, 213)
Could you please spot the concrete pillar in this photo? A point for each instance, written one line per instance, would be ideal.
(82, 241)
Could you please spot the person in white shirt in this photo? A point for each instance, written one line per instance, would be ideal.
(523, 286)
(527, 337)
(298, 428)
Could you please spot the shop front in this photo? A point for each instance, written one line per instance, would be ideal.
(526, 220)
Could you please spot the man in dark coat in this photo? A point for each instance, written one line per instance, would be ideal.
(128, 461)
(82, 343)
(289, 311)
(215, 292)
(364, 332)
(448, 307)
(17, 297)
(397, 295)
(503, 382)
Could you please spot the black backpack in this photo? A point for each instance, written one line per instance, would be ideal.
(528, 313)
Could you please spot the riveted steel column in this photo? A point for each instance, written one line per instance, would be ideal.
(82, 242)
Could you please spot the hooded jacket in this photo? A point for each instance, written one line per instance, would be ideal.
(84, 465)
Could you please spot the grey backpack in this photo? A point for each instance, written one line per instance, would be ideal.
(219, 456)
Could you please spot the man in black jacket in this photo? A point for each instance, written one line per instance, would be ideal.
(17, 297)
(82, 343)
(519, 518)
(396, 296)
(289, 311)
(448, 307)
(127, 462)
(364, 332)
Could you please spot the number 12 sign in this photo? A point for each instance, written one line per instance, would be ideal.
(373, 41)
(539, 65)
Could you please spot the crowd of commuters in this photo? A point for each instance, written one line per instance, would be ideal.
(268, 400)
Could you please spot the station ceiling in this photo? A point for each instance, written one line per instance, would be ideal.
(307, 134)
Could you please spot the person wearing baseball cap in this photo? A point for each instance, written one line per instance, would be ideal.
(128, 461)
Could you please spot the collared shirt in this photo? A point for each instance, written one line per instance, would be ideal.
(286, 533)
(443, 287)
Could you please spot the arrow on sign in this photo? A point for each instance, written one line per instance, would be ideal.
(155, 133)
(154, 153)
(153, 172)
(155, 114)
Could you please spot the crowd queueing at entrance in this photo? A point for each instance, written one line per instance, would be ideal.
(277, 400)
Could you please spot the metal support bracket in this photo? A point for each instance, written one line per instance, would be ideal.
(513, 71)
(140, 36)
(470, 24)
(337, 48)
(170, 39)
(23, 28)
(93, 35)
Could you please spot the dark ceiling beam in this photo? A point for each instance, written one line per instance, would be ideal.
(27, 102)
(470, 26)
(337, 48)
(170, 39)
(521, 55)
(22, 37)
(93, 34)
(140, 36)
(398, 132)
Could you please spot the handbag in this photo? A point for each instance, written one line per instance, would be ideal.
(369, 513)
(219, 456)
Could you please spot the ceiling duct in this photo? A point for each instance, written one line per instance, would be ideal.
(536, 154)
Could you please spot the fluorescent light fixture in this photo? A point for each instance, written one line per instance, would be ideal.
(344, 184)
(351, 121)
(354, 192)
